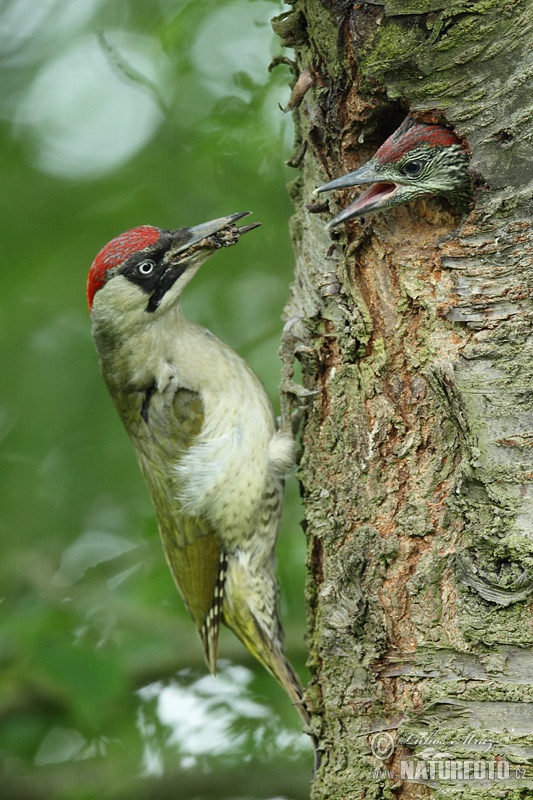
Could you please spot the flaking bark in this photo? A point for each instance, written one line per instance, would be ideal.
(417, 467)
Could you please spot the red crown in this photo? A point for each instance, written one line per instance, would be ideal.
(412, 134)
(115, 252)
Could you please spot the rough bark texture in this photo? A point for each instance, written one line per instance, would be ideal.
(417, 466)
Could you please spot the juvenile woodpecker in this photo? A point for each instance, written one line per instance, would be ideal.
(415, 161)
(204, 432)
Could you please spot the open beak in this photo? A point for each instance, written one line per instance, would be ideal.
(212, 235)
(375, 197)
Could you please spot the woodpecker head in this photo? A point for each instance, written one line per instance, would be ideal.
(141, 273)
(416, 160)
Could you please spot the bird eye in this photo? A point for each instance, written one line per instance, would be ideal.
(145, 268)
(413, 167)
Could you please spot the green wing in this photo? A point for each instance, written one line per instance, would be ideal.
(198, 568)
(162, 429)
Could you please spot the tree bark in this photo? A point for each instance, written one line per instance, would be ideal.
(415, 328)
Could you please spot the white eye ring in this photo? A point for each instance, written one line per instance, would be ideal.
(146, 268)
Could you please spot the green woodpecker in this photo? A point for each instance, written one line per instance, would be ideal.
(204, 432)
(415, 161)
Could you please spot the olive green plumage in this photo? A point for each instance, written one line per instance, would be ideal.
(205, 435)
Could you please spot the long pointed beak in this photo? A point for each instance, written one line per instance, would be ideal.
(188, 248)
(365, 174)
(212, 235)
(377, 196)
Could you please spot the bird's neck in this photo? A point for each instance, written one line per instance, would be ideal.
(168, 352)
(459, 198)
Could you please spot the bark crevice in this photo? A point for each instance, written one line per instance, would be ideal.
(417, 467)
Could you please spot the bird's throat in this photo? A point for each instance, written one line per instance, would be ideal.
(374, 197)
(379, 195)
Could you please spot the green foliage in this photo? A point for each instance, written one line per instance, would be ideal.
(117, 113)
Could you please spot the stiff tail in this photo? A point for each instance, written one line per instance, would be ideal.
(274, 660)
(269, 653)
(250, 610)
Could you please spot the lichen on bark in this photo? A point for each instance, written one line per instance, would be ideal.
(417, 463)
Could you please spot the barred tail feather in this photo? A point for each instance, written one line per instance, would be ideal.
(210, 629)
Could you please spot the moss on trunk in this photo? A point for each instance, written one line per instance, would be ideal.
(417, 466)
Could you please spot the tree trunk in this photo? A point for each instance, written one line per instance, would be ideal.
(415, 328)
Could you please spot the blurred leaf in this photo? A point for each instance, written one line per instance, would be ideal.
(177, 124)
(77, 674)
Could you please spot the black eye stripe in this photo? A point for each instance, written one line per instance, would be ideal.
(164, 282)
(135, 270)
(154, 282)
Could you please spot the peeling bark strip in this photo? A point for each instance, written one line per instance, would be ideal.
(416, 327)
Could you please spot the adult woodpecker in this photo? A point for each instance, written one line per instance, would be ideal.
(416, 160)
(204, 432)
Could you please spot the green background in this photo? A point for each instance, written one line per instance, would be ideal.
(117, 113)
